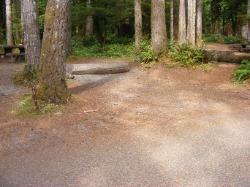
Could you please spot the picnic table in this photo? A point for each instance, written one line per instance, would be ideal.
(15, 53)
(245, 48)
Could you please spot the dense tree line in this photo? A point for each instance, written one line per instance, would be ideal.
(115, 18)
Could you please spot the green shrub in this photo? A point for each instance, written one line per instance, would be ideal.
(145, 55)
(120, 40)
(89, 41)
(89, 47)
(113, 49)
(109, 50)
(186, 54)
(242, 73)
(213, 38)
(218, 38)
(232, 39)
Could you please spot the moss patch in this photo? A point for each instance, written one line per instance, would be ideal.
(26, 106)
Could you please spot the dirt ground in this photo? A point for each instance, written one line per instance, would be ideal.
(156, 127)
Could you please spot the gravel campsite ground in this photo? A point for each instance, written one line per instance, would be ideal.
(147, 127)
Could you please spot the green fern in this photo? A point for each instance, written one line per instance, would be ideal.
(242, 73)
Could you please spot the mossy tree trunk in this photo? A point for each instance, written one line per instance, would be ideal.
(32, 41)
(158, 26)
(52, 75)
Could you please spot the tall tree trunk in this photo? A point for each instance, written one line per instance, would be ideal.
(89, 22)
(2, 17)
(172, 19)
(69, 21)
(191, 21)
(248, 20)
(52, 75)
(138, 24)
(182, 22)
(199, 22)
(9, 37)
(32, 41)
(158, 26)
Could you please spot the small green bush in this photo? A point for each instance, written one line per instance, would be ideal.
(89, 47)
(145, 55)
(242, 73)
(121, 48)
(232, 39)
(186, 54)
(120, 40)
(89, 41)
(218, 38)
(213, 38)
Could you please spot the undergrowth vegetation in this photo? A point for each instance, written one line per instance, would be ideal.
(26, 106)
(145, 55)
(29, 104)
(186, 55)
(116, 48)
(89, 47)
(242, 73)
(218, 38)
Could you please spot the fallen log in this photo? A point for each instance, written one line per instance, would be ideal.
(83, 69)
(226, 56)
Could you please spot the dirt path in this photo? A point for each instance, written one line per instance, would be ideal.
(159, 127)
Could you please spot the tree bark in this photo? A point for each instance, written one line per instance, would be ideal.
(199, 22)
(32, 41)
(52, 75)
(191, 22)
(89, 22)
(182, 22)
(158, 26)
(172, 19)
(2, 18)
(248, 20)
(69, 23)
(9, 37)
(138, 24)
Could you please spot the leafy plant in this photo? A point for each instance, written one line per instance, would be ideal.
(186, 54)
(89, 47)
(89, 41)
(242, 73)
(218, 38)
(145, 55)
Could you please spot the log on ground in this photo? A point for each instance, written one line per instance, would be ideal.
(226, 56)
(83, 69)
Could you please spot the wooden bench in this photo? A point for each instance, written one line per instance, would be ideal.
(15, 53)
